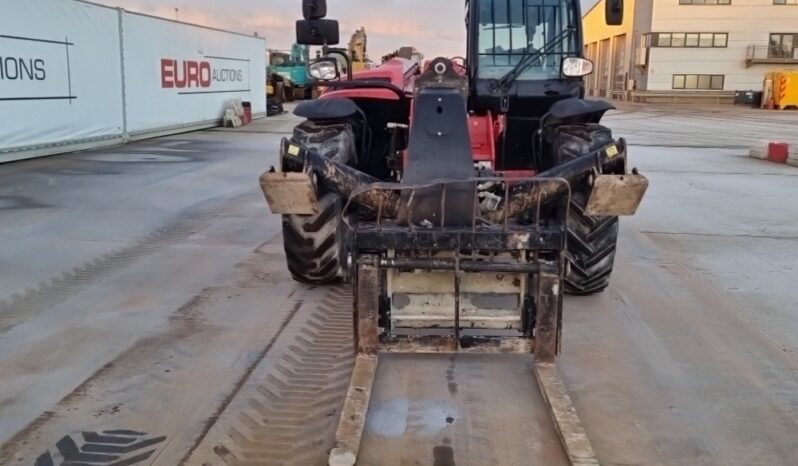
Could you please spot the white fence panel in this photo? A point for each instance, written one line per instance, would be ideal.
(62, 86)
(180, 75)
(60, 75)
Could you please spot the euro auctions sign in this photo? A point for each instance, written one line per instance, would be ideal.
(35, 68)
(178, 73)
(210, 75)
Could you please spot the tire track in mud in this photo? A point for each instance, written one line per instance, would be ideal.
(241, 382)
(155, 367)
(46, 294)
(187, 322)
(288, 411)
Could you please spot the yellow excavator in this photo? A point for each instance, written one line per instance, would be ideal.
(358, 46)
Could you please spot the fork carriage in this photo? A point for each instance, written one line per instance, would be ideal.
(485, 287)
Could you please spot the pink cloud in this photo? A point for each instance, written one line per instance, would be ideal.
(434, 27)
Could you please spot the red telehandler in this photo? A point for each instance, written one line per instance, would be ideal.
(460, 200)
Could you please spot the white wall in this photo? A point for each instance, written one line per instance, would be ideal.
(74, 92)
(62, 85)
(181, 75)
(748, 22)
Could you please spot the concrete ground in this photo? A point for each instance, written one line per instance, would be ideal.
(146, 317)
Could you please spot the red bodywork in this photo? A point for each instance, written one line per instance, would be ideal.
(398, 71)
(485, 130)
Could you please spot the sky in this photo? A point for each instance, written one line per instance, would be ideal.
(435, 27)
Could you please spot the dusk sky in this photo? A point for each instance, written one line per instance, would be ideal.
(435, 27)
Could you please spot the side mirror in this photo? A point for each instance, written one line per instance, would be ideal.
(317, 32)
(314, 9)
(574, 67)
(614, 12)
(324, 69)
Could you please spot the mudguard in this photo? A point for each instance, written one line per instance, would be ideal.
(576, 111)
(326, 109)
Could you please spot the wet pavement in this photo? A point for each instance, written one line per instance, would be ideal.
(144, 303)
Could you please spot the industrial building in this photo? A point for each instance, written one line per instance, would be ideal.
(678, 50)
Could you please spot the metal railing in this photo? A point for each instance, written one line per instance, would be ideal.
(771, 54)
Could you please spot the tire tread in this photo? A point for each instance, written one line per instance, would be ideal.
(312, 243)
(592, 241)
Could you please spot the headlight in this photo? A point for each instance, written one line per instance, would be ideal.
(325, 69)
(574, 67)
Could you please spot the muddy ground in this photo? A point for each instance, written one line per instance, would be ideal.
(146, 317)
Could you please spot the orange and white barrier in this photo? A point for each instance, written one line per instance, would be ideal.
(776, 152)
(792, 157)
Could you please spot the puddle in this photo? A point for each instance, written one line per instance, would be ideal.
(398, 416)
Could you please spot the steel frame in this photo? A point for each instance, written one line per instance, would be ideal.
(544, 344)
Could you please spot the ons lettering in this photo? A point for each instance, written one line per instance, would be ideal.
(185, 74)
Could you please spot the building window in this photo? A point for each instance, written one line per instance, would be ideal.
(785, 2)
(707, 2)
(698, 81)
(689, 39)
(783, 45)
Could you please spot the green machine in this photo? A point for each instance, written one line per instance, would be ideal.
(290, 69)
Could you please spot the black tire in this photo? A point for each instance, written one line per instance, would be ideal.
(592, 241)
(279, 92)
(314, 244)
